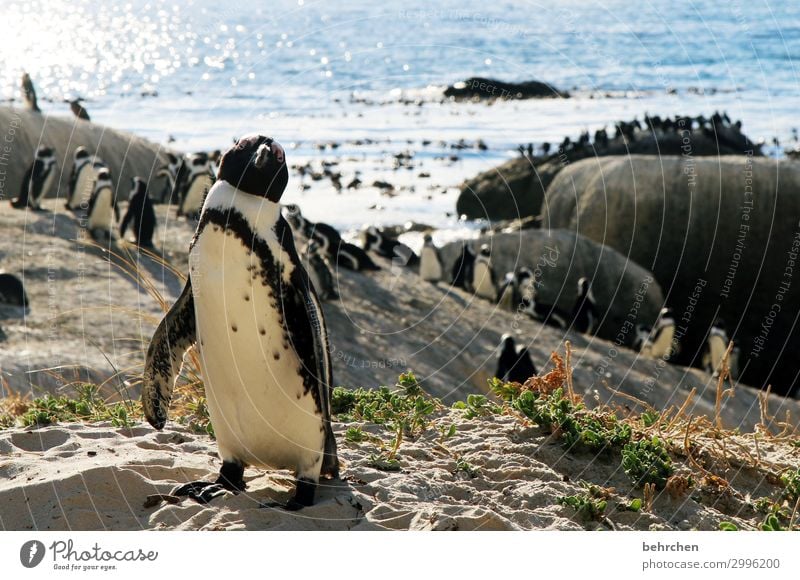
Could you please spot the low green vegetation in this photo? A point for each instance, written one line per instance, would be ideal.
(85, 406)
(647, 461)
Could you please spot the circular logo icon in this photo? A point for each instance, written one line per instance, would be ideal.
(31, 553)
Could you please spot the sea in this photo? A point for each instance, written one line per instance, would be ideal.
(362, 81)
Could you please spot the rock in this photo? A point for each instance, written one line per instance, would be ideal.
(516, 188)
(625, 292)
(717, 232)
(126, 155)
(478, 88)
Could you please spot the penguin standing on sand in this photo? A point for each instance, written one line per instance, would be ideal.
(462, 268)
(715, 347)
(430, 262)
(103, 212)
(507, 293)
(259, 331)
(12, 292)
(29, 94)
(81, 178)
(483, 282)
(140, 210)
(584, 312)
(174, 174)
(513, 365)
(319, 273)
(642, 342)
(38, 180)
(663, 335)
(199, 179)
(330, 242)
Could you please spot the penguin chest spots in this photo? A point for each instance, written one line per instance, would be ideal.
(261, 412)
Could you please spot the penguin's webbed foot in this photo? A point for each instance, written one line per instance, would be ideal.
(229, 480)
(303, 497)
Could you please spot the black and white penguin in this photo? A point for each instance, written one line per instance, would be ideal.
(12, 293)
(461, 274)
(549, 314)
(140, 210)
(662, 336)
(81, 179)
(715, 347)
(79, 110)
(259, 331)
(507, 294)
(483, 281)
(319, 272)
(641, 340)
(513, 365)
(174, 174)
(330, 242)
(199, 179)
(584, 312)
(38, 180)
(430, 262)
(29, 94)
(103, 212)
(377, 240)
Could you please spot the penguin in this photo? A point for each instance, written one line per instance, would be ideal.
(513, 365)
(378, 241)
(483, 282)
(715, 347)
(507, 295)
(319, 273)
(103, 212)
(29, 94)
(663, 335)
(78, 110)
(259, 331)
(641, 341)
(81, 178)
(38, 180)
(584, 312)
(174, 173)
(140, 210)
(12, 293)
(430, 262)
(549, 314)
(330, 243)
(462, 268)
(199, 180)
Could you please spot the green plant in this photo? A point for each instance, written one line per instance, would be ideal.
(87, 405)
(728, 527)
(587, 507)
(647, 461)
(635, 505)
(355, 435)
(464, 466)
(650, 418)
(771, 524)
(446, 432)
(384, 463)
(791, 483)
(478, 406)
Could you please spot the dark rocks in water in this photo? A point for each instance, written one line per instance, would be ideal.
(516, 188)
(721, 233)
(478, 89)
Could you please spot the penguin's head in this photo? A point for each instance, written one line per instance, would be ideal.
(103, 177)
(427, 239)
(485, 251)
(256, 165)
(370, 238)
(81, 153)
(583, 286)
(524, 274)
(507, 343)
(45, 152)
(137, 187)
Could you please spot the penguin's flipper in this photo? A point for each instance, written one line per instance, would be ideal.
(173, 337)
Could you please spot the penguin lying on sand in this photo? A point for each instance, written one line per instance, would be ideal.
(37, 180)
(514, 365)
(330, 242)
(259, 331)
(376, 240)
(140, 210)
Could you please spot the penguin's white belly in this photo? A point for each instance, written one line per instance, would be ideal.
(102, 216)
(47, 185)
(260, 412)
(506, 300)
(83, 188)
(430, 269)
(662, 345)
(196, 193)
(482, 282)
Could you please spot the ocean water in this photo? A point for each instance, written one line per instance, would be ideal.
(196, 74)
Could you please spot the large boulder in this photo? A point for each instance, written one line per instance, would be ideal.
(22, 131)
(515, 189)
(721, 235)
(625, 292)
